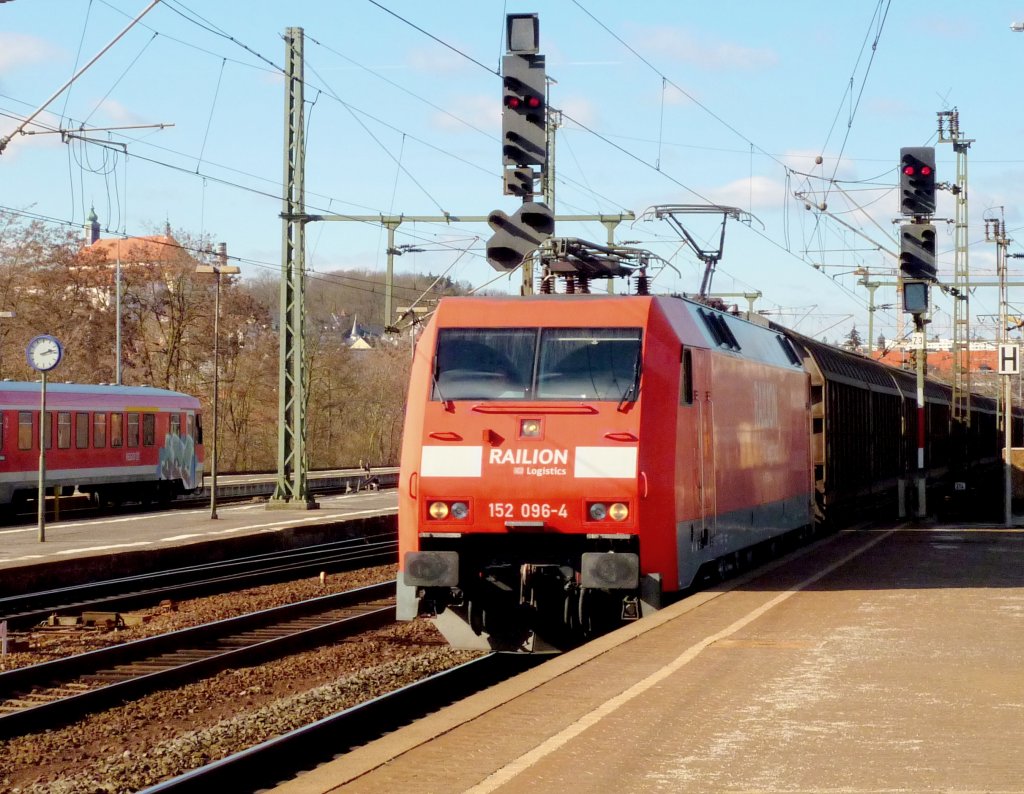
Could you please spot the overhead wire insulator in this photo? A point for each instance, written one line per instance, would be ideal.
(643, 284)
(545, 285)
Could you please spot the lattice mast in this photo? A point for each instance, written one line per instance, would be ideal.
(949, 132)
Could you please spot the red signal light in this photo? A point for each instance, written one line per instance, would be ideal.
(533, 102)
(908, 170)
(513, 102)
(926, 171)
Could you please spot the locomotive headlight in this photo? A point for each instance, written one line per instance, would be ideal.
(460, 510)
(618, 512)
(529, 428)
(598, 512)
(438, 510)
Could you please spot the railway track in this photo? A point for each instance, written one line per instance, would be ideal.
(53, 693)
(280, 758)
(135, 592)
(231, 488)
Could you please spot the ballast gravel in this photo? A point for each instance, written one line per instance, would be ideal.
(165, 734)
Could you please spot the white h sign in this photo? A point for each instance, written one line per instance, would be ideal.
(1009, 359)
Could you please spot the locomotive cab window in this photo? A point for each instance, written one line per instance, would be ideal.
(537, 364)
(175, 425)
(589, 364)
(484, 363)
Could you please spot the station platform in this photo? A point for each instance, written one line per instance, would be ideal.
(129, 543)
(871, 661)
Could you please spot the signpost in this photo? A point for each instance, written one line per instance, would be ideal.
(1009, 364)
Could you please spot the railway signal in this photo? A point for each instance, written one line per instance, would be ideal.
(917, 180)
(915, 297)
(524, 110)
(917, 251)
(519, 182)
(519, 235)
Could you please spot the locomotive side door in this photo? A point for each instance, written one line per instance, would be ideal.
(704, 533)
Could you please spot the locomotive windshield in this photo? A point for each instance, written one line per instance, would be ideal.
(537, 364)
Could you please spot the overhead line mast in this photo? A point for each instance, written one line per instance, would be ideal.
(949, 132)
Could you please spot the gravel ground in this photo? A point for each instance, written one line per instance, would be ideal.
(162, 735)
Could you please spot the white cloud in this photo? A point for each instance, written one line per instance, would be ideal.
(580, 109)
(117, 113)
(752, 194)
(483, 112)
(705, 53)
(435, 60)
(20, 49)
(889, 106)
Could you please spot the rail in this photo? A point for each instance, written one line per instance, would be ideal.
(134, 592)
(261, 766)
(36, 697)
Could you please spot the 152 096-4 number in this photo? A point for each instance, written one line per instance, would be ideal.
(526, 510)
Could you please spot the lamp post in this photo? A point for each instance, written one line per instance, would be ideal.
(218, 270)
(43, 353)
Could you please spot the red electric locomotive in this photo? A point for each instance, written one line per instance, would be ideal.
(115, 443)
(569, 460)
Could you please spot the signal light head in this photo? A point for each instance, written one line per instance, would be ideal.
(513, 102)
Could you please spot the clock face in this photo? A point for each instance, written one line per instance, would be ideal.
(44, 353)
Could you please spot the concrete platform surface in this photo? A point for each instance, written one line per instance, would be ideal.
(888, 661)
(77, 550)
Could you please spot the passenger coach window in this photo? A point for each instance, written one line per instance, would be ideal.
(133, 430)
(99, 430)
(175, 424)
(116, 430)
(589, 364)
(24, 430)
(484, 363)
(64, 430)
(148, 430)
(81, 431)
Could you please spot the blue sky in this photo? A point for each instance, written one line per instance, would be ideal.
(664, 101)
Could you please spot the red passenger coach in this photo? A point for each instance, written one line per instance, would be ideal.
(115, 443)
(570, 459)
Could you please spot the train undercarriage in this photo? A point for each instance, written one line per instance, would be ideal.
(540, 593)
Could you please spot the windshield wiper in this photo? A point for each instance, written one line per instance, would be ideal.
(436, 381)
(633, 392)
